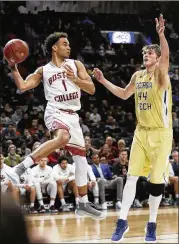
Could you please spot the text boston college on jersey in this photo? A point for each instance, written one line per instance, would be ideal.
(66, 97)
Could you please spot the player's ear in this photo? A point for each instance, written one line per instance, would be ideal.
(158, 58)
(54, 48)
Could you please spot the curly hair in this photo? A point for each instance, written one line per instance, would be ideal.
(52, 39)
(154, 47)
(62, 158)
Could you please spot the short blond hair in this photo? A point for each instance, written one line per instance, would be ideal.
(154, 47)
(121, 142)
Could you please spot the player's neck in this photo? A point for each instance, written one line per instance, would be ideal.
(57, 61)
(150, 69)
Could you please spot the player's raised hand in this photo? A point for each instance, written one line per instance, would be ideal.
(98, 74)
(70, 73)
(11, 63)
(160, 25)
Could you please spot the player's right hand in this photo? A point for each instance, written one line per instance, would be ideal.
(11, 64)
(98, 74)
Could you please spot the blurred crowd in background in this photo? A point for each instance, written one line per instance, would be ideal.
(107, 122)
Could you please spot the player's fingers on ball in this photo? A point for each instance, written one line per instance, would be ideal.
(70, 73)
(70, 76)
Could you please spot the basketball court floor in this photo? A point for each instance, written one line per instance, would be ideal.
(67, 228)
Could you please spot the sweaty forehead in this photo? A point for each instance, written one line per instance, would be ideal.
(63, 40)
(148, 50)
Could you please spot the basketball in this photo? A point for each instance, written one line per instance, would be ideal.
(16, 51)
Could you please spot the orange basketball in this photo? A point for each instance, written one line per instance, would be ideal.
(16, 51)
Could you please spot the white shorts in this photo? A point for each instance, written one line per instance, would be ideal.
(57, 119)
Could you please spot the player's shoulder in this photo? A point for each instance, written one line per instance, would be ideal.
(161, 73)
(138, 72)
(39, 70)
(48, 66)
(135, 76)
(74, 61)
(69, 60)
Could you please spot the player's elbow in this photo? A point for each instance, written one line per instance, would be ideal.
(127, 93)
(92, 90)
(22, 88)
(125, 96)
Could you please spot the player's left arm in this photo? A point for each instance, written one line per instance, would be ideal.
(83, 80)
(164, 59)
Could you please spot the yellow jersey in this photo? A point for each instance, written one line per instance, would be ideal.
(153, 105)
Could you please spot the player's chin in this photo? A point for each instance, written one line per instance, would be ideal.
(146, 63)
(67, 55)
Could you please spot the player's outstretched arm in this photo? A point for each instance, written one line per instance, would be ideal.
(83, 80)
(123, 93)
(30, 82)
(164, 59)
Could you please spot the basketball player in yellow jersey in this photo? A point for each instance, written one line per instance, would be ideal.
(152, 140)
